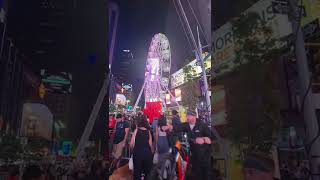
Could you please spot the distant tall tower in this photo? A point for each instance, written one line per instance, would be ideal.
(113, 23)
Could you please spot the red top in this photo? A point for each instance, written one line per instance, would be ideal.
(112, 123)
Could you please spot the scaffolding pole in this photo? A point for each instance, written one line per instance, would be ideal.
(92, 119)
(140, 94)
(198, 49)
(199, 58)
(308, 108)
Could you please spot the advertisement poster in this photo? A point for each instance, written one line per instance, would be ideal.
(37, 121)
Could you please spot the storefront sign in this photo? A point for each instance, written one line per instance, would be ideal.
(224, 42)
(223, 45)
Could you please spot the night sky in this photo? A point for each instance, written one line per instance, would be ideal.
(139, 20)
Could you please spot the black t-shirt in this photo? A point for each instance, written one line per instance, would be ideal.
(200, 129)
(120, 131)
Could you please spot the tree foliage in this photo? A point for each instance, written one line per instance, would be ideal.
(254, 109)
(191, 89)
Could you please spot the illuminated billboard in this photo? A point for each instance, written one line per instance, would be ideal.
(178, 78)
(168, 99)
(37, 121)
(59, 83)
(120, 99)
(177, 94)
(127, 87)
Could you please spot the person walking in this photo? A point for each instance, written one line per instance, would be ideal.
(162, 141)
(112, 121)
(175, 118)
(200, 139)
(176, 121)
(141, 143)
(120, 138)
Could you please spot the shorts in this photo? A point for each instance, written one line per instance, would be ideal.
(117, 150)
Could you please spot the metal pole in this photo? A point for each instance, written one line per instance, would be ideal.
(206, 88)
(199, 57)
(138, 99)
(3, 39)
(308, 111)
(93, 116)
(113, 9)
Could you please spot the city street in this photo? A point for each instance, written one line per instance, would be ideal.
(159, 89)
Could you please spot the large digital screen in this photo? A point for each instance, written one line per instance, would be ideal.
(121, 99)
(127, 87)
(37, 121)
(56, 82)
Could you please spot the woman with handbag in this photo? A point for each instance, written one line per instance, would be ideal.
(141, 143)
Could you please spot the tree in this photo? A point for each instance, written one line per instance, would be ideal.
(191, 89)
(254, 109)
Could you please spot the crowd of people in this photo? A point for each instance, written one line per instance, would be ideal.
(96, 170)
(151, 141)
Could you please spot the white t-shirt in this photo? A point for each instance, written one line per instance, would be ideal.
(191, 126)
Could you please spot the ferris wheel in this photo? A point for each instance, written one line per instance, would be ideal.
(157, 72)
(157, 69)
